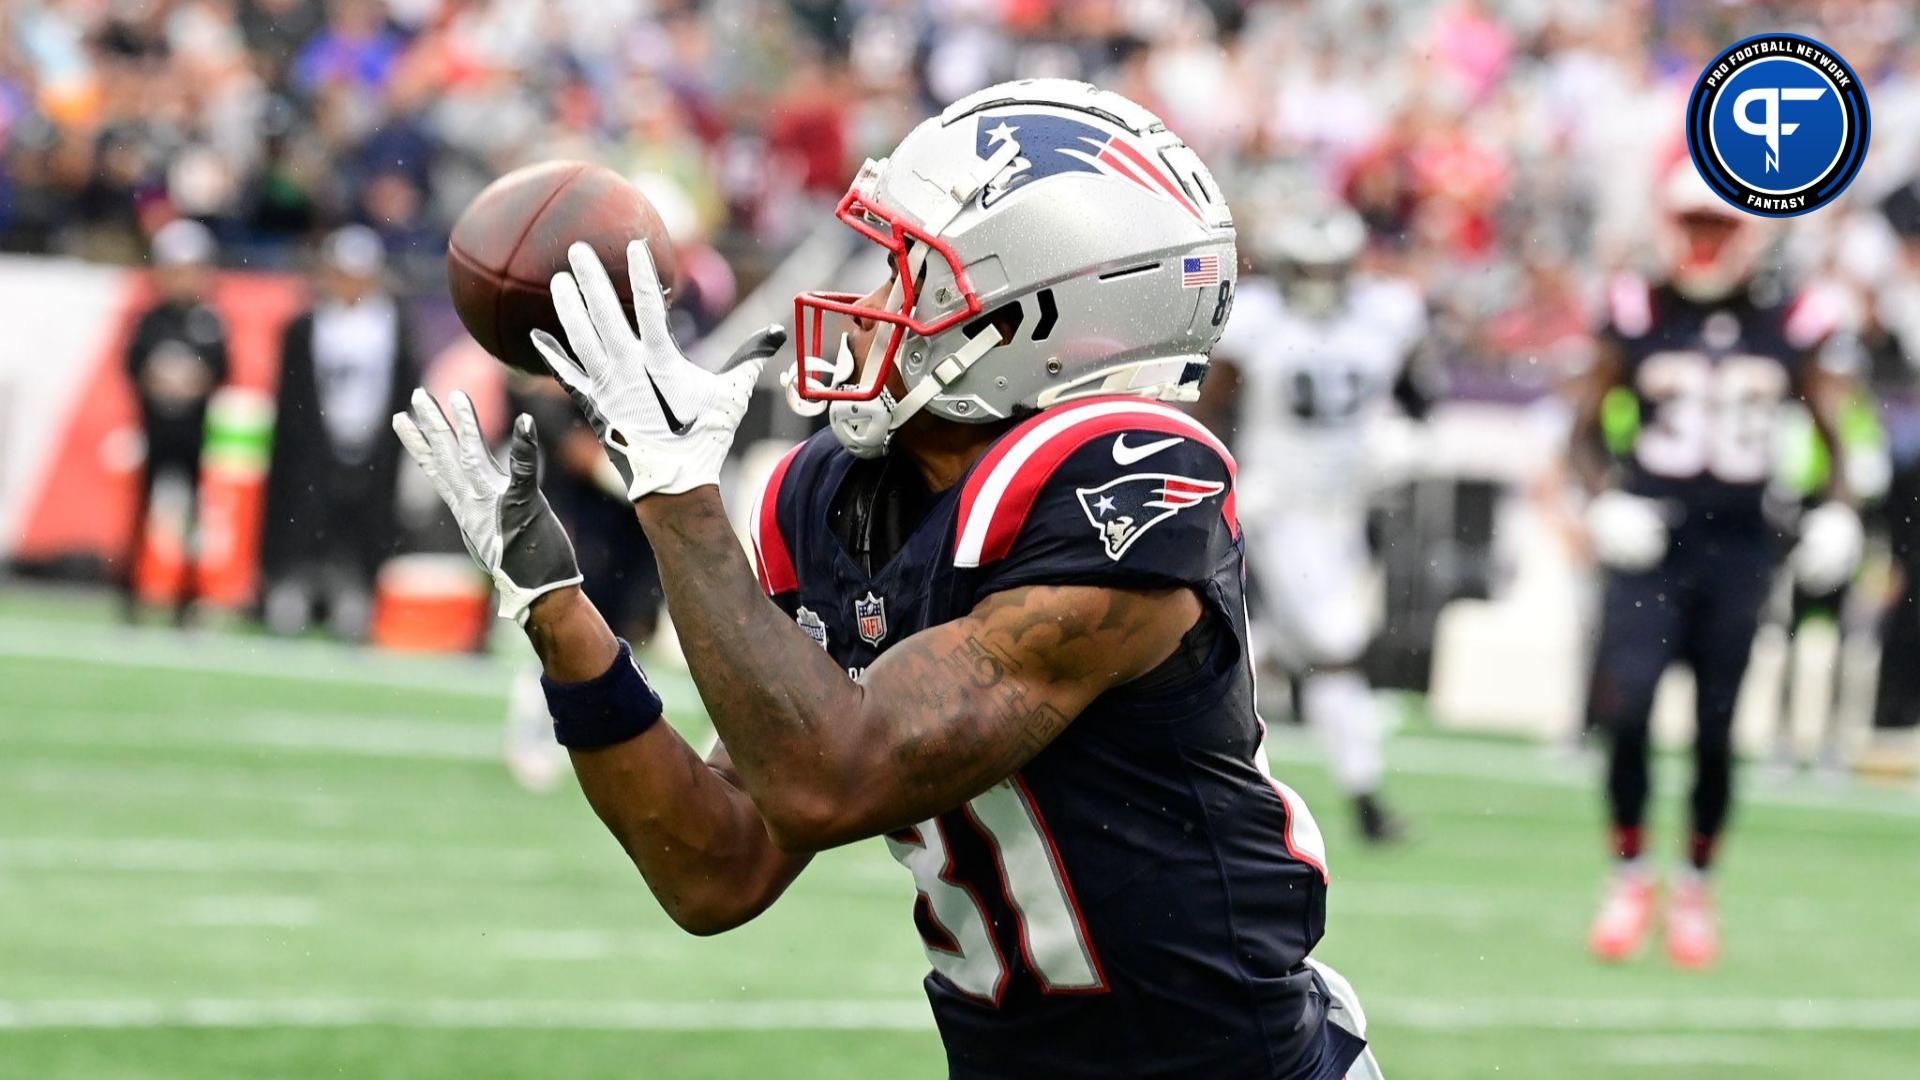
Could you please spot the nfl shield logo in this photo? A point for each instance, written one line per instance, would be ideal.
(870, 613)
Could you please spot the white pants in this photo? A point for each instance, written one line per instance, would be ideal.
(1345, 1012)
(1312, 572)
(1316, 616)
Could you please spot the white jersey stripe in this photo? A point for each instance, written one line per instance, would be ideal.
(979, 520)
(753, 534)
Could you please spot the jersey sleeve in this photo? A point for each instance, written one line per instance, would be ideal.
(1815, 317)
(1141, 497)
(768, 528)
(1629, 309)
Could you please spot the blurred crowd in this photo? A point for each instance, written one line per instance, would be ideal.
(1504, 156)
(1501, 150)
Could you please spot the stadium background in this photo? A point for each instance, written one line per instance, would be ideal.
(228, 855)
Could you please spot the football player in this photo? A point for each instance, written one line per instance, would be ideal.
(1320, 355)
(1692, 373)
(1808, 597)
(996, 617)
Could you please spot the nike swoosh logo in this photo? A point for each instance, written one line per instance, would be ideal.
(666, 411)
(1127, 455)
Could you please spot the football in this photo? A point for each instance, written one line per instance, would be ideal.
(510, 241)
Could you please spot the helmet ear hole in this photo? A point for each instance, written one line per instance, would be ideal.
(1006, 318)
(1049, 314)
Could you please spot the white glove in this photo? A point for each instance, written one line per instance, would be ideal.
(1628, 532)
(1829, 547)
(667, 422)
(508, 527)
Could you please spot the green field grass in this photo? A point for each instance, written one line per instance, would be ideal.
(227, 857)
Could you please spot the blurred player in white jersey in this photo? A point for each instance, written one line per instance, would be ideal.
(1318, 356)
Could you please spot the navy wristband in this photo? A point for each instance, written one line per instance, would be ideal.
(601, 712)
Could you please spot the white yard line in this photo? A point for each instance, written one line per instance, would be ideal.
(53, 854)
(329, 733)
(215, 653)
(245, 911)
(1639, 1015)
(254, 657)
(1686, 1051)
(880, 1015)
(1533, 765)
(170, 782)
(1649, 1014)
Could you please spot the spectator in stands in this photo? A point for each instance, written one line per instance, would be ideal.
(1544, 332)
(356, 49)
(1462, 130)
(346, 365)
(176, 361)
(275, 31)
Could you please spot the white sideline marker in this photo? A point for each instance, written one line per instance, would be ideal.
(1598, 1015)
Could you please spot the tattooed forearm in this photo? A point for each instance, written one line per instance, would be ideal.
(974, 698)
(1031, 659)
(940, 717)
(763, 681)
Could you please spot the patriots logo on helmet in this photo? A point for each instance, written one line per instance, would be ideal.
(1056, 145)
(1122, 510)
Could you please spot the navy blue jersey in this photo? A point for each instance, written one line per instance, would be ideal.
(1709, 380)
(1140, 898)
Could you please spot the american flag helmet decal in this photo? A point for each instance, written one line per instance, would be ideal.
(1198, 271)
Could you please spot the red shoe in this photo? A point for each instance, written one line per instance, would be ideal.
(1693, 927)
(1625, 917)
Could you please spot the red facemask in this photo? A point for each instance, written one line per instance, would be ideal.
(817, 379)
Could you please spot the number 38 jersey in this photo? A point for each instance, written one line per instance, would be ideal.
(1706, 382)
(1140, 898)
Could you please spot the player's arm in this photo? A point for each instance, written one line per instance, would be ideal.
(690, 830)
(139, 346)
(825, 759)
(1421, 383)
(1828, 552)
(940, 717)
(1587, 456)
(686, 824)
(1620, 530)
(1827, 394)
(219, 359)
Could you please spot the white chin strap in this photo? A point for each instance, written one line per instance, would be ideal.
(790, 382)
(866, 427)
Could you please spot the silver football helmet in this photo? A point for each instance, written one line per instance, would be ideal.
(1311, 252)
(1049, 241)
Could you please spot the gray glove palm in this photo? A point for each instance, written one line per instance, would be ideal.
(504, 519)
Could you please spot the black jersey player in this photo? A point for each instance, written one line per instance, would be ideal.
(1006, 630)
(1691, 377)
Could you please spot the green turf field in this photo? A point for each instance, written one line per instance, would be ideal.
(226, 857)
